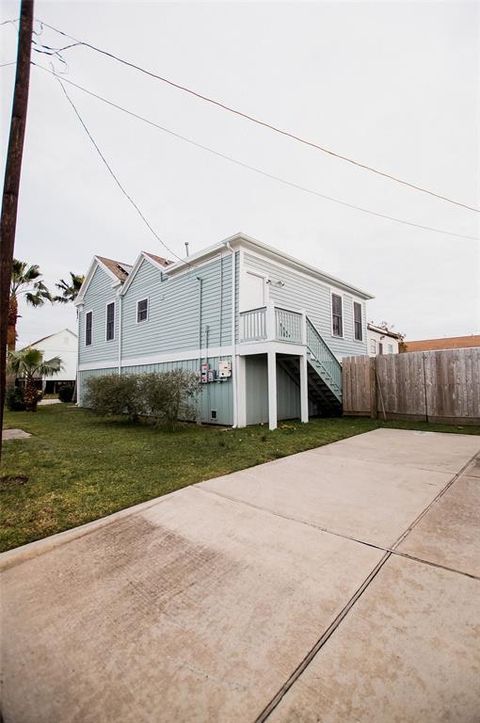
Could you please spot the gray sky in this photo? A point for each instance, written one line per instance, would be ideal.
(394, 85)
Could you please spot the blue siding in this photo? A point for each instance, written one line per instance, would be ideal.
(98, 295)
(302, 292)
(216, 396)
(184, 313)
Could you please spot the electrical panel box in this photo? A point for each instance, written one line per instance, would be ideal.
(224, 369)
(204, 373)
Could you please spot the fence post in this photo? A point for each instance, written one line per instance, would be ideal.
(373, 388)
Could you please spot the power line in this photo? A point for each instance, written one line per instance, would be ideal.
(112, 173)
(4, 65)
(247, 116)
(259, 171)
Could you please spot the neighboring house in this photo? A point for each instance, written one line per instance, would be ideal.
(63, 344)
(451, 342)
(382, 341)
(264, 330)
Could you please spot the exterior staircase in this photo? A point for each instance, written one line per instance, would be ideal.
(324, 374)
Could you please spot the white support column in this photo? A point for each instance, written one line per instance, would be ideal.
(303, 388)
(272, 390)
(242, 391)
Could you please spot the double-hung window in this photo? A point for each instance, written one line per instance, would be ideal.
(110, 325)
(88, 328)
(337, 315)
(357, 321)
(142, 310)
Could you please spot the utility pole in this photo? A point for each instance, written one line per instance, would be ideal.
(8, 220)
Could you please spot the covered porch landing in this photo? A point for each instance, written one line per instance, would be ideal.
(272, 385)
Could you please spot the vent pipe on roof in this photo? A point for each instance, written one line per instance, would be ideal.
(187, 251)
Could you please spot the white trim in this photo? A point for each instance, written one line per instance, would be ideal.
(90, 311)
(263, 347)
(106, 320)
(142, 321)
(342, 335)
(187, 355)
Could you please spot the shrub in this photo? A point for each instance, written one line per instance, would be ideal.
(113, 395)
(65, 393)
(14, 399)
(170, 396)
(166, 397)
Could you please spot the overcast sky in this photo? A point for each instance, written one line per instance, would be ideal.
(393, 85)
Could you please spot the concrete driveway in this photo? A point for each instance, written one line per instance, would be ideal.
(339, 584)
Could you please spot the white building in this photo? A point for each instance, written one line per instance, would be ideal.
(63, 344)
(382, 341)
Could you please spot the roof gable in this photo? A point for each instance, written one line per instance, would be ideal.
(157, 261)
(116, 271)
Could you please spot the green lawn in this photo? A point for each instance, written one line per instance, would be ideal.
(81, 467)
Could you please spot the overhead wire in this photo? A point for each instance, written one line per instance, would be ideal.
(255, 169)
(201, 96)
(114, 176)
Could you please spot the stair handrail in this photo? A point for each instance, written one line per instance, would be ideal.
(322, 354)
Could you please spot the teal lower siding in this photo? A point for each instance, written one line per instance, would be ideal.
(215, 397)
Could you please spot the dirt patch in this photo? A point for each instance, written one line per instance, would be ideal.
(12, 480)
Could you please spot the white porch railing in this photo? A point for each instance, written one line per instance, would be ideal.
(272, 324)
(288, 326)
(253, 325)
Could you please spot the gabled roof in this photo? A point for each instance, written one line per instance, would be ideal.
(117, 268)
(158, 261)
(117, 271)
(49, 336)
(243, 240)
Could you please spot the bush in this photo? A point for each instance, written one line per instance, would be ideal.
(114, 395)
(166, 397)
(65, 393)
(14, 399)
(170, 396)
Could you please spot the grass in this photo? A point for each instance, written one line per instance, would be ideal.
(81, 467)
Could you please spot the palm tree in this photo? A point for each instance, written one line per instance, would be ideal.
(69, 289)
(28, 364)
(26, 280)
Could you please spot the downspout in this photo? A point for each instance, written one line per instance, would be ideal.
(79, 341)
(234, 340)
(120, 299)
(200, 301)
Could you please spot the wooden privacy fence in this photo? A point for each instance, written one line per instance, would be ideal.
(436, 386)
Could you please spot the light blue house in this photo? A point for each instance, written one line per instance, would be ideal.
(265, 331)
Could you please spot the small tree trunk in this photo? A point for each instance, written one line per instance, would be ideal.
(31, 395)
